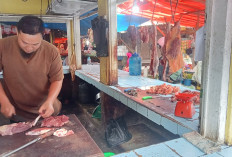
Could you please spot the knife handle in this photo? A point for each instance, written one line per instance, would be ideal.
(147, 97)
(47, 134)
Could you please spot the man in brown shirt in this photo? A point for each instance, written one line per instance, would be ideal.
(32, 72)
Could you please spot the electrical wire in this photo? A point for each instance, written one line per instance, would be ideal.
(41, 8)
(153, 12)
(171, 11)
(131, 11)
(173, 14)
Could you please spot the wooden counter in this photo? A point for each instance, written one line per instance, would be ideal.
(79, 145)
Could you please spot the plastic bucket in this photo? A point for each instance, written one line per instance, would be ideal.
(187, 82)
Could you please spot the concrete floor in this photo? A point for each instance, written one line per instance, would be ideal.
(143, 131)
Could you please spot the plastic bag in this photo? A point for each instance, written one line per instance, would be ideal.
(116, 132)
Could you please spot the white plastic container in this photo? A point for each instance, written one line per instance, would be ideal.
(145, 71)
(88, 60)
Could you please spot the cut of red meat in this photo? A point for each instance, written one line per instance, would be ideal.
(163, 89)
(15, 128)
(55, 121)
(39, 131)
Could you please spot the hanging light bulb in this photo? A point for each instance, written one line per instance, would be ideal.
(87, 42)
(135, 9)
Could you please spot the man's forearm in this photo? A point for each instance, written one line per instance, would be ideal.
(3, 98)
(54, 90)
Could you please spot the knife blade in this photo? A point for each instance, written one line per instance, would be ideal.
(36, 120)
(29, 143)
(17, 118)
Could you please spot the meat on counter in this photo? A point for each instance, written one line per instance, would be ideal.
(14, 128)
(55, 121)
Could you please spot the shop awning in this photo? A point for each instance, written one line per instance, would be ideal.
(123, 21)
(191, 13)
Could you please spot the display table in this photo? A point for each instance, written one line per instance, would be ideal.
(160, 109)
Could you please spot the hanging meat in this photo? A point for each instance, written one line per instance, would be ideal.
(132, 36)
(154, 55)
(172, 50)
(144, 34)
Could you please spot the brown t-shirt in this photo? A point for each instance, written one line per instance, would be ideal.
(27, 82)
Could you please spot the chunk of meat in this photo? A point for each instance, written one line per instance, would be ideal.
(132, 36)
(14, 128)
(173, 48)
(154, 55)
(39, 131)
(144, 35)
(63, 132)
(163, 89)
(56, 121)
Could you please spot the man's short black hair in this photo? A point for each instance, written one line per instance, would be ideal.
(31, 25)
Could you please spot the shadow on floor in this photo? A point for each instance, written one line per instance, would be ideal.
(144, 132)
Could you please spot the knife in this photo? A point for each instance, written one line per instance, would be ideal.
(36, 120)
(17, 118)
(149, 97)
(29, 143)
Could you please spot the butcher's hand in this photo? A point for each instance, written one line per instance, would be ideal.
(46, 109)
(8, 110)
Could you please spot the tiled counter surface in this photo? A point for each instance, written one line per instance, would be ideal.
(175, 148)
(160, 110)
(162, 115)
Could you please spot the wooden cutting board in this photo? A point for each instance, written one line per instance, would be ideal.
(80, 144)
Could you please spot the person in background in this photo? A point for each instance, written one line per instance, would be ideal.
(126, 68)
(32, 73)
(61, 49)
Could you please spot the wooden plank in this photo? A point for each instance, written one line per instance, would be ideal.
(109, 65)
(112, 109)
(79, 144)
(228, 131)
(77, 42)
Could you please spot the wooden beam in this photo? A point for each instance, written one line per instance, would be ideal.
(112, 109)
(77, 41)
(0, 31)
(228, 132)
(109, 65)
(70, 38)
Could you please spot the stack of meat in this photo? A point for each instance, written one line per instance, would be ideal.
(57, 121)
(163, 89)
